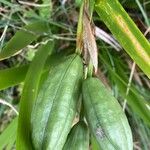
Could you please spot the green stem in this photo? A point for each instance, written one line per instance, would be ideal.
(79, 31)
(90, 70)
(81, 111)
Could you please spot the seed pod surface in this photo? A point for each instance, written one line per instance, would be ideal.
(55, 107)
(105, 117)
(78, 138)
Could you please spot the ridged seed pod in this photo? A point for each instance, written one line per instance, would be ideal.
(78, 138)
(55, 107)
(105, 117)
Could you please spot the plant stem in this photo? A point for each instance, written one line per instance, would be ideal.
(80, 31)
(81, 111)
(90, 69)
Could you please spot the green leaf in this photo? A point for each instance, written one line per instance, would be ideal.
(91, 7)
(94, 143)
(78, 3)
(12, 76)
(6, 2)
(28, 96)
(46, 10)
(143, 132)
(126, 32)
(8, 136)
(23, 37)
(15, 75)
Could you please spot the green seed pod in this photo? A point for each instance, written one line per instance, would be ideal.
(55, 107)
(105, 117)
(78, 138)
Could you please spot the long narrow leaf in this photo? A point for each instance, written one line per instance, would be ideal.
(23, 37)
(28, 96)
(16, 75)
(8, 136)
(126, 32)
(12, 76)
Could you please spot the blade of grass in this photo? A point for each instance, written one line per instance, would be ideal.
(23, 37)
(16, 75)
(29, 93)
(144, 133)
(6, 2)
(8, 136)
(130, 4)
(46, 12)
(141, 131)
(143, 13)
(127, 33)
(12, 76)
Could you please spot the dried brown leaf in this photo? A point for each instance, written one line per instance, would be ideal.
(89, 41)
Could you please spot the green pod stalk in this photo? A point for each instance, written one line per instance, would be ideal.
(126, 32)
(105, 117)
(55, 107)
(78, 138)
